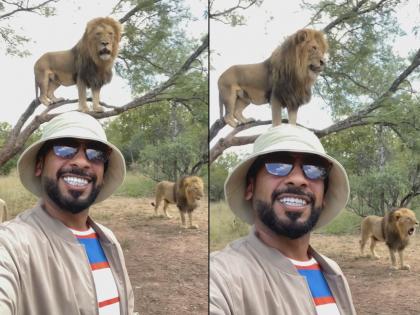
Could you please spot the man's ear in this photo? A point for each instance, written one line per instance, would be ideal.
(38, 166)
(249, 191)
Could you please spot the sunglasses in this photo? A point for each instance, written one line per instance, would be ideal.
(312, 172)
(94, 151)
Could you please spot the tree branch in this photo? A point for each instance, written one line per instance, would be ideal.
(21, 8)
(18, 136)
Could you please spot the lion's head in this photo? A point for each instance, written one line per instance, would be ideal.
(101, 40)
(296, 64)
(193, 188)
(405, 222)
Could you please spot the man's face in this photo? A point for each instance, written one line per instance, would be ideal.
(288, 205)
(68, 177)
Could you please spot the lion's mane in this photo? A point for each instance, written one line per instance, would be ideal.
(91, 69)
(292, 83)
(396, 226)
(189, 190)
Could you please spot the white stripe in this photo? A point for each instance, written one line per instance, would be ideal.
(82, 233)
(113, 309)
(327, 309)
(309, 262)
(105, 284)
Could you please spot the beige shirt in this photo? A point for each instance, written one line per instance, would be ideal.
(44, 270)
(250, 278)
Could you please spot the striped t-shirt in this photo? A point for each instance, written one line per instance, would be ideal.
(321, 293)
(106, 289)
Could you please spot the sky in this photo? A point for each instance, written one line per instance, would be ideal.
(62, 32)
(266, 27)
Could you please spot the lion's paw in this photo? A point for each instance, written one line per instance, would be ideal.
(98, 109)
(405, 267)
(193, 227)
(393, 267)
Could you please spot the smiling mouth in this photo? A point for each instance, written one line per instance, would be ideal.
(76, 181)
(293, 201)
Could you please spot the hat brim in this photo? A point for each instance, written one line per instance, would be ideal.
(113, 177)
(335, 198)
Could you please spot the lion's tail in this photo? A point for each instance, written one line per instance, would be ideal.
(221, 106)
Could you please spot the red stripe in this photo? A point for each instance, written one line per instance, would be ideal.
(109, 302)
(324, 300)
(93, 235)
(100, 265)
(311, 267)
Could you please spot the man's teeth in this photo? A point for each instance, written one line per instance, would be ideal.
(75, 181)
(293, 201)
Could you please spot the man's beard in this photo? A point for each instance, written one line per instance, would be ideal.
(291, 228)
(71, 203)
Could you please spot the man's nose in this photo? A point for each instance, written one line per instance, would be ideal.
(296, 177)
(80, 160)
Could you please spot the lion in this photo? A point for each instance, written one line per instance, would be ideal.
(185, 193)
(88, 64)
(3, 211)
(395, 229)
(285, 79)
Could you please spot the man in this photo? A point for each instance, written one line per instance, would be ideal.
(286, 188)
(54, 259)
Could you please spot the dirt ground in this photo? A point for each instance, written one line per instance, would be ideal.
(167, 265)
(376, 289)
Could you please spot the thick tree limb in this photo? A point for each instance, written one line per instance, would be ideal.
(19, 135)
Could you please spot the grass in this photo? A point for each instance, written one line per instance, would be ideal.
(19, 199)
(136, 185)
(224, 226)
(345, 223)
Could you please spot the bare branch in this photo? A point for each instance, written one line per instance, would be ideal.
(21, 8)
(230, 10)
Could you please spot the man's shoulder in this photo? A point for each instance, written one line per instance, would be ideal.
(235, 253)
(19, 230)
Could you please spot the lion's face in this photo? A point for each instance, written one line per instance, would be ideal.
(102, 37)
(406, 222)
(194, 188)
(312, 48)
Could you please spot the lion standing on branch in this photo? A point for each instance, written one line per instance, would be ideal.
(88, 64)
(283, 80)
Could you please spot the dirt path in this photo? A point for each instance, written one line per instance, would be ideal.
(376, 289)
(167, 265)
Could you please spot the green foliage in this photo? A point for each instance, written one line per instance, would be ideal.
(224, 226)
(218, 173)
(383, 170)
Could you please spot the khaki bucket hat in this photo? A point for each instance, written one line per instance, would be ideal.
(79, 126)
(287, 138)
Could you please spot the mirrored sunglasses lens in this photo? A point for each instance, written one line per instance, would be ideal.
(278, 169)
(65, 152)
(314, 172)
(96, 155)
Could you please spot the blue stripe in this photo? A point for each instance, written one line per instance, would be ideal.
(93, 249)
(317, 283)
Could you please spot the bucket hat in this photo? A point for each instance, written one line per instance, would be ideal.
(287, 138)
(76, 125)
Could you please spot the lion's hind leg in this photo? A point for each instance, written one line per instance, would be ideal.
(373, 241)
(240, 105)
(43, 81)
(228, 98)
(165, 207)
(52, 86)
